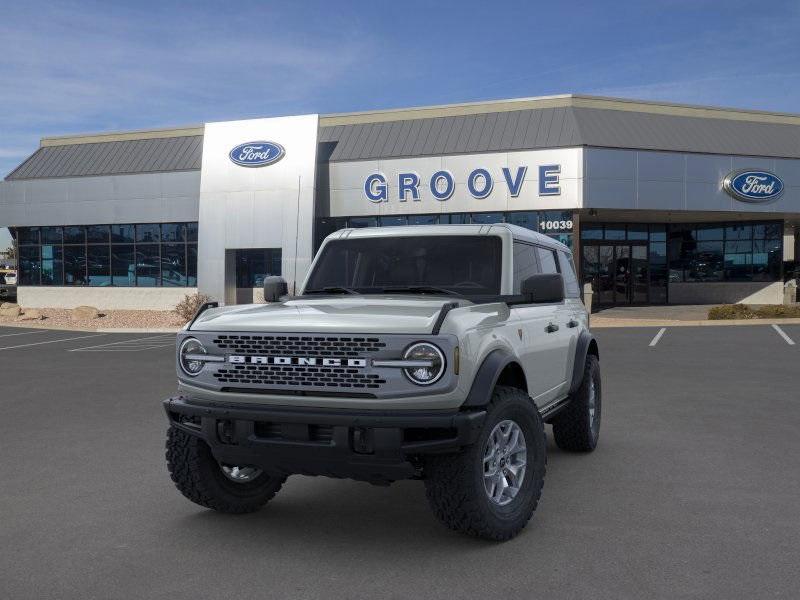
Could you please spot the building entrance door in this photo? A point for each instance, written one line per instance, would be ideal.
(618, 272)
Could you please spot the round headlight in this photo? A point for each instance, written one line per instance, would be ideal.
(431, 366)
(190, 349)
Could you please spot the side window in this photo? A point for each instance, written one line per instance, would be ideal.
(547, 259)
(571, 287)
(525, 264)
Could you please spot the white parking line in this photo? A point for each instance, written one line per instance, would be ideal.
(52, 341)
(658, 336)
(782, 333)
(128, 344)
(23, 333)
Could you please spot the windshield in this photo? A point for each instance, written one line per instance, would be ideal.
(467, 265)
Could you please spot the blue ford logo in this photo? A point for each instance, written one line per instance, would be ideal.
(753, 186)
(257, 154)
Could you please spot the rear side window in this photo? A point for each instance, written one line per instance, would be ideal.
(525, 264)
(571, 287)
(547, 260)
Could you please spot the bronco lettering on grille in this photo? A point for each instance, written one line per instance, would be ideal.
(299, 361)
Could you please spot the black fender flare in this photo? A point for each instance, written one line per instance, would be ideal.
(480, 394)
(585, 341)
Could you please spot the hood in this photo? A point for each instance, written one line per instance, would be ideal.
(341, 314)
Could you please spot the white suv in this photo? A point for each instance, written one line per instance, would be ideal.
(428, 352)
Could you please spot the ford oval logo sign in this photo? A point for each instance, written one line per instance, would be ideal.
(257, 154)
(753, 186)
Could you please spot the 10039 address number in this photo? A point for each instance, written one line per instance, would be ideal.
(565, 225)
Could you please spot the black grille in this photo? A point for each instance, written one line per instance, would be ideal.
(318, 377)
(299, 345)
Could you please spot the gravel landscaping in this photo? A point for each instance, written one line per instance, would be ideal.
(59, 318)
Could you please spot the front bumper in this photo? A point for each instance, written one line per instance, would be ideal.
(375, 446)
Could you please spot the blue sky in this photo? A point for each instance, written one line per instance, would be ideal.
(74, 67)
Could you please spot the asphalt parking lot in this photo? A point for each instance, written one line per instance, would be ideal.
(692, 493)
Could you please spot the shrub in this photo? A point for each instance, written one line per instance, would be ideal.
(188, 307)
(778, 311)
(747, 311)
(731, 311)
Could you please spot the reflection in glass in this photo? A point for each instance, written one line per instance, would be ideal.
(74, 265)
(148, 265)
(52, 265)
(123, 265)
(99, 265)
(173, 265)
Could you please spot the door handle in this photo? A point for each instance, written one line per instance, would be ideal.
(572, 323)
(551, 328)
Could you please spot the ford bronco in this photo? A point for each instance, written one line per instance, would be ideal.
(427, 352)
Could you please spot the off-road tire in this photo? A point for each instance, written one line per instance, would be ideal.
(454, 482)
(573, 429)
(198, 476)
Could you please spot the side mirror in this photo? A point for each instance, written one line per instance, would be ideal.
(274, 287)
(544, 288)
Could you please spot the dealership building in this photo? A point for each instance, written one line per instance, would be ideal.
(660, 203)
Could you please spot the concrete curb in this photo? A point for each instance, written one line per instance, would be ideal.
(42, 325)
(600, 322)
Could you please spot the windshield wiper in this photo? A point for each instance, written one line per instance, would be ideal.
(331, 289)
(420, 289)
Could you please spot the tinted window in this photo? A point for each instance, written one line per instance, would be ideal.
(148, 232)
(97, 234)
(99, 262)
(122, 234)
(571, 287)
(74, 235)
(468, 265)
(148, 263)
(525, 264)
(547, 260)
(52, 265)
(173, 265)
(74, 265)
(123, 265)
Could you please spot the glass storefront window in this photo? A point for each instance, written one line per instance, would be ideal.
(52, 265)
(528, 219)
(487, 218)
(393, 220)
(637, 232)
(591, 231)
(97, 234)
(173, 265)
(614, 231)
(29, 264)
(173, 232)
(122, 234)
(74, 235)
(253, 265)
(191, 266)
(74, 265)
(51, 235)
(658, 233)
(148, 233)
(123, 265)
(358, 222)
(709, 232)
(27, 235)
(148, 265)
(98, 260)
(423, 219)
(106, 255)
(454, 219)
(739, 231)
